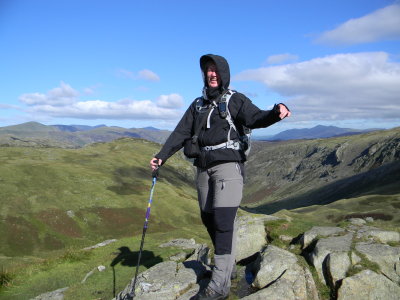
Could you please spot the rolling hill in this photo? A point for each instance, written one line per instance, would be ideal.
(33, 134)
(301, 173)
(54, 198)
(55, 201)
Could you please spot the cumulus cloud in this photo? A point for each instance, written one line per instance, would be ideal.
(170, 101)
(63, 102)
(382, 24)
(337, 87)
(281, 58)
(98, 109)
(59, 96)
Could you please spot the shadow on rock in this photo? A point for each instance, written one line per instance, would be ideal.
(199, 269)
(128, 258)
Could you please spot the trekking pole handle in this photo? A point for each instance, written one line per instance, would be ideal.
(154, 174)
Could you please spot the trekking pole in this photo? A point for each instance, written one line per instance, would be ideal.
(131, 293)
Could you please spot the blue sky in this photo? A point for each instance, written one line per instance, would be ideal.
(136, 63)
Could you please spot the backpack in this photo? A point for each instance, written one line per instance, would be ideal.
(243, 131)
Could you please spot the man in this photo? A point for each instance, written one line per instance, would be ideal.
(220, 165)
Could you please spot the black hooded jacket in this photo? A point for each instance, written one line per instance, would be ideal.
(242, 110)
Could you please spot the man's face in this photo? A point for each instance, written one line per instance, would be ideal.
(213, 78)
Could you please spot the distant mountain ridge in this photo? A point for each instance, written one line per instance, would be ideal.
(74, 128)
(319, 131)
(73, 136)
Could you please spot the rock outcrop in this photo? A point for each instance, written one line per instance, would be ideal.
(173, 279)
(340, 256)
(251, 235)
(357, 245)
(278, 269)
(368, 285)
(385, 256)
(335, 247)
(54, 295)
(167, 280)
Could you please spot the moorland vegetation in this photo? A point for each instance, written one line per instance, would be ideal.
(55, 201)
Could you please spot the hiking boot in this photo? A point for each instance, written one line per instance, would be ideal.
(209, 294)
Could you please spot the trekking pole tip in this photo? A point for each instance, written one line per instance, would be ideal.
(130, 295)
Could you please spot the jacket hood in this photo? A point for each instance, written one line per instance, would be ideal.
(222, 68)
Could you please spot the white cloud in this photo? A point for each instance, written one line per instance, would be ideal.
(337, 87)
(382, 24)
(170, 101)
(63, 102)
(97, 109)
(143, 74)
(59, 96)
(281, 58)
(148, 75)
(8, 106)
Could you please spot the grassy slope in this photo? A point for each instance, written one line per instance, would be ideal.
(383, 207)
(55, 198)
(106, 186)
(71, 267)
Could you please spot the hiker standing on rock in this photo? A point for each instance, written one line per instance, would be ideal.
(214, 123)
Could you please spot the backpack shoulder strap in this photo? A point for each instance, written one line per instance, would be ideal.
(225, 98)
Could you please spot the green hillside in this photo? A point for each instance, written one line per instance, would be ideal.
(55, 198)
(294, 174)
(56, 201)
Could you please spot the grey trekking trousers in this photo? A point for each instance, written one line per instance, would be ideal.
(219, 191)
